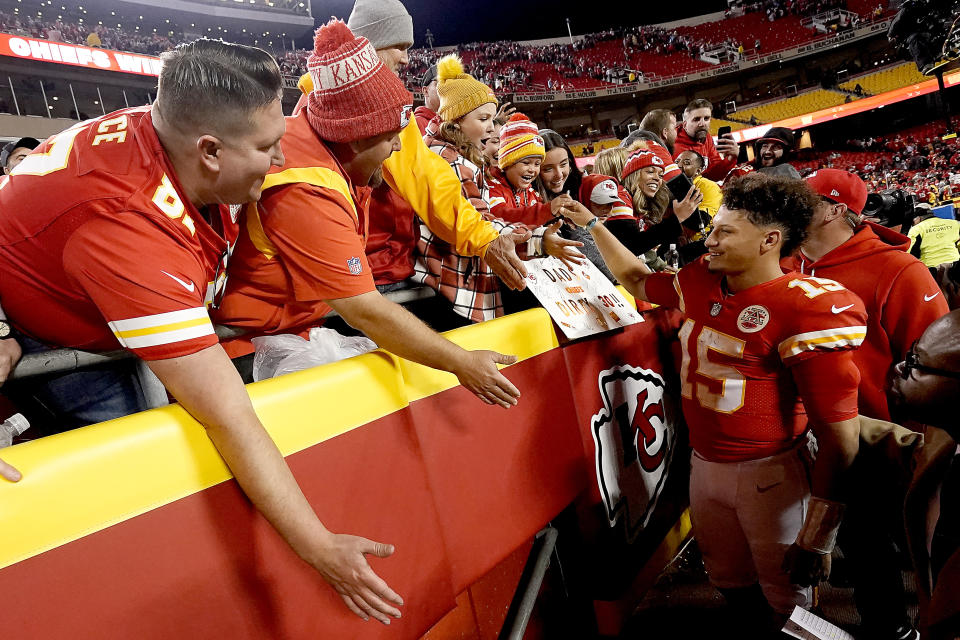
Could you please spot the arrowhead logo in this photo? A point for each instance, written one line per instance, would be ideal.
(634, 435)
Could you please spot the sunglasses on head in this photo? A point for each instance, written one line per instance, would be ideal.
(911, 362)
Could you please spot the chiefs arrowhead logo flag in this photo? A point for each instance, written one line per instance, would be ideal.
(633, 434)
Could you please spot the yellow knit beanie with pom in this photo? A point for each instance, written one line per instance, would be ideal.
(460, 93)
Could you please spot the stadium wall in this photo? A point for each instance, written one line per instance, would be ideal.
(16, 127)
(134, 527)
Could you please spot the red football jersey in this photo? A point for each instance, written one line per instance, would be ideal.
(100, 248)
(302, 244)
(740, 399)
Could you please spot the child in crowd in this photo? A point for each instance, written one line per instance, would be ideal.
(465, 118)
(605, 198)
(609, 162)
(513, 196)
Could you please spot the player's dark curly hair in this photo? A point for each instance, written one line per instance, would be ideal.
(776, 201)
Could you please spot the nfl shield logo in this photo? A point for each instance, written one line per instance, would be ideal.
(356, 268)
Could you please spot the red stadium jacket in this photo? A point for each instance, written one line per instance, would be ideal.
(717, 167)
(423, 116)
(393, 236)
(900, 296)
(525, 206)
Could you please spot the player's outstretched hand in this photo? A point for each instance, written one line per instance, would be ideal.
(8, 472)
(345, 567)
(561, 248)
(575, 212)
(501, 256)
(806, 568)
(478, 372)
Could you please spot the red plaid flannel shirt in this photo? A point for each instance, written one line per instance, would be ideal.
(467, 282)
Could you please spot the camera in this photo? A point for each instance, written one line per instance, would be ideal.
(892, 207)
(926, 29)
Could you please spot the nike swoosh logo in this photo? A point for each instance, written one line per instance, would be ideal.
(188, 286)
(837, 309)
(765, 489)
(929, 298)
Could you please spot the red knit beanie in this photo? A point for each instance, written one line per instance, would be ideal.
(651, 155)
(354, 95)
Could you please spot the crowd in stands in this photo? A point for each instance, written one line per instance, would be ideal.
(777, 9)
(915, 160)
(89, 34)
(456, 197)
(605, 58)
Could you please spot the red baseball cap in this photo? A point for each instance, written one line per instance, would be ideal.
(599, 189)
(840, 186)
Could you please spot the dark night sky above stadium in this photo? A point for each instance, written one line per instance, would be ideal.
(461, 21)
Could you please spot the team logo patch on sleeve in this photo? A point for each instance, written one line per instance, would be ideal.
(355, 266)
(405, 114)
(753, 318)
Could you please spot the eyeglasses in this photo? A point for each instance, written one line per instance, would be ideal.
(910, 362)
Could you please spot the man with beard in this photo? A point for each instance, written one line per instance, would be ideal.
(901, 300)
(693, 134)
(771, 153)
(127, 249)
(662, 122)
(302, 251)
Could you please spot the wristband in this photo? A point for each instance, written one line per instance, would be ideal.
(819, 530)
(591, 224)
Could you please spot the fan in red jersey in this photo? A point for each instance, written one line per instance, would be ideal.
(127, 248)
(767, 358)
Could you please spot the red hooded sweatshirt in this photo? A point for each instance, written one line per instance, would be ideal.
(900, 295)
(717, 166)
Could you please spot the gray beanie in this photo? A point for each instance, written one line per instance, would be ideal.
(385, 23)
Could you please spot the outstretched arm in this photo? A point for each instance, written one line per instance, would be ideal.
(628, 268)
(209, 388)
(399, 331)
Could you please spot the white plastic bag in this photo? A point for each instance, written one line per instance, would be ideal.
(277, 355)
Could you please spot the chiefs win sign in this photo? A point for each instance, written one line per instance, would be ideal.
(78, 56)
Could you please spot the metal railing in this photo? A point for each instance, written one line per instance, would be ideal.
(66, 360)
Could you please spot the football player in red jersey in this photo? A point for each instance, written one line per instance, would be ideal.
(765, 356)
(127, 248)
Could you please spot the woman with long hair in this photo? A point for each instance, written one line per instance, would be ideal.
(559, 173)
(642, 177)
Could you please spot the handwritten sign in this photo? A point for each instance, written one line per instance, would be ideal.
(582, 301)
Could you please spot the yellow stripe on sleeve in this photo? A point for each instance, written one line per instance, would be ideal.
(829, 339)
